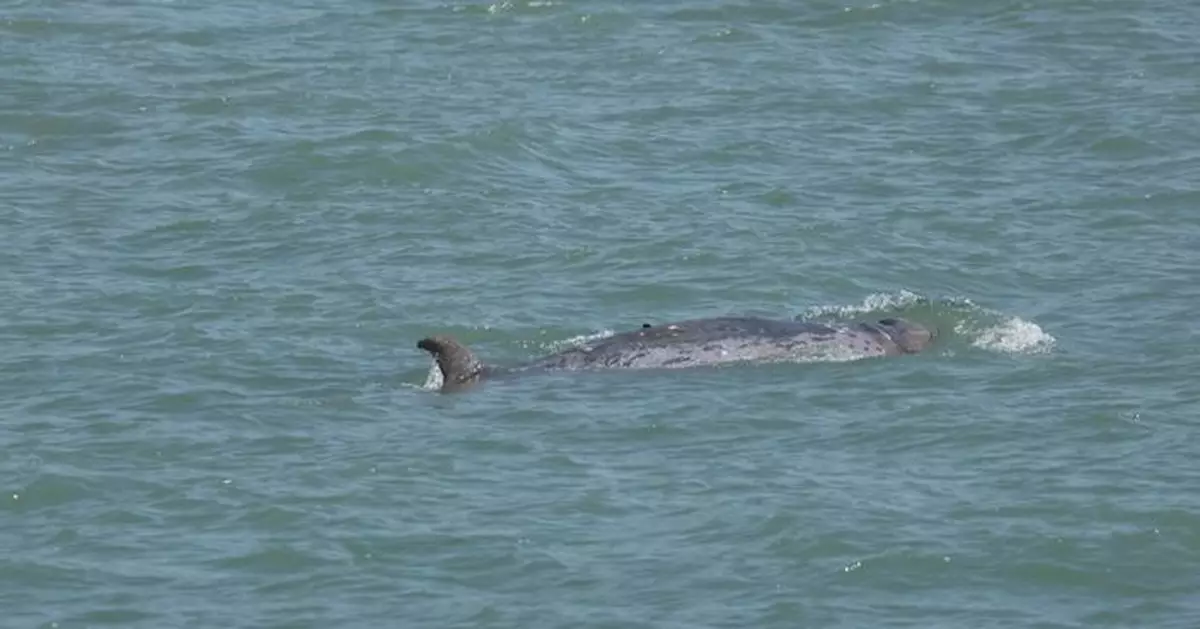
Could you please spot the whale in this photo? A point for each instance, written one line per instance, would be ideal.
(692, 343)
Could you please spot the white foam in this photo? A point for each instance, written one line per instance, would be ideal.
(1012, 336)
(434, 380)
(580, 340)
(872, 303)
(509, 5)
(876, 6)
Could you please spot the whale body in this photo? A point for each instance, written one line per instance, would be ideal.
(695, 343)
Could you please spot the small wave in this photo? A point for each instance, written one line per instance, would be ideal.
(506, 6)
(551, 346)
(579, 340)
(875, 6)
(872, 303)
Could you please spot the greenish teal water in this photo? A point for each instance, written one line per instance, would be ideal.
(223, 227)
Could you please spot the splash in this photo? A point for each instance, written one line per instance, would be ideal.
(434, 380)
(509, 5)
(1013, 336)
(876, 302)
(542, 346)
(581, 339)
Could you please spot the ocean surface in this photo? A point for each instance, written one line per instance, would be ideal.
(225, 225)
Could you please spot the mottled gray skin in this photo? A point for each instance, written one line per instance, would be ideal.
(697, 343)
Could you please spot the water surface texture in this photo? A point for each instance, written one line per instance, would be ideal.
(225, 225)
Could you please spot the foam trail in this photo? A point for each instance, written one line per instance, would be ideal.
(872, 303)
(580, 340)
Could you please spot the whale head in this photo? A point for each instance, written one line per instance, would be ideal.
(910, 337)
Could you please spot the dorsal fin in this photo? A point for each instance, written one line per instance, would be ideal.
(459, 366)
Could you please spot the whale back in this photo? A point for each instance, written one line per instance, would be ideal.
(694, 343)
(724, 340)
